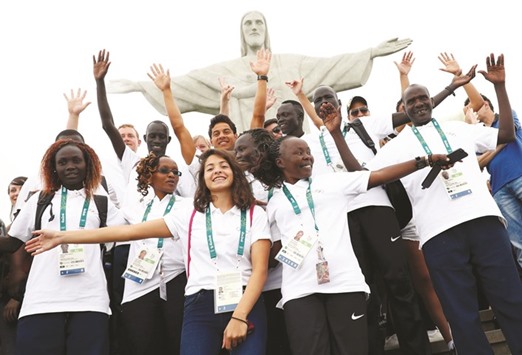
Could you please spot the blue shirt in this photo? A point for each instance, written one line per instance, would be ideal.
(506, 166)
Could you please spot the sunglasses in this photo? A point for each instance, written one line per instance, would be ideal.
(166, 171)
(276, 129)
(363, 110)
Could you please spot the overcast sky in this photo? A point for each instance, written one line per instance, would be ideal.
(47, 49)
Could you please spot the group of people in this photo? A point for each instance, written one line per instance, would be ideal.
(278, 239)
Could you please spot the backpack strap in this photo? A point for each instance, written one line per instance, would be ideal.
(189, 240)
(358, 127)
(101, 202)
(104, 183)
(44, 200)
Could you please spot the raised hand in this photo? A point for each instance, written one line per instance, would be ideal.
(464, 79)
(450, 64)
(262, 63)
(331, 116)
(496, 72)
(159, 76)
(296, 86)
(226, 90)
(271, 98)
(405, 65)
(75, 104)
(101, 65)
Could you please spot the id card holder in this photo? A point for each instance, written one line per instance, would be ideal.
(294, 252)
(228, 291)
(72, 259)
(455, 183)
(143, 266)
(323, 273)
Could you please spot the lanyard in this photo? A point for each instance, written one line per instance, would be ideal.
(210, 236)
(346, 128)
(309, 199)
(167, 210)
(324, 148)
(441, 134)
(63, 204)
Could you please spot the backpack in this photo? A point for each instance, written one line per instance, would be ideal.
(23, 259)
(395, 190)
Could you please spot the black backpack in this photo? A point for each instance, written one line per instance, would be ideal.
(25, 259)
(395, 190)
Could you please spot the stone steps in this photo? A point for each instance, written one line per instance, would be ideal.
(493, 333)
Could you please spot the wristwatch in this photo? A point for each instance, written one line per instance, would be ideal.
(421, 162)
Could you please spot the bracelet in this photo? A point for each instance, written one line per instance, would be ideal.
(452, 92)
(421, 162)
(430, 160)
(241, 320)
(262, 77)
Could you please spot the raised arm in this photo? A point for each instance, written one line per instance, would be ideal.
(496, 75)
(452, 66)
(456, 82)
(260, 67)
(162, 81)
(404, 68)
(100, 68)
(297, 88)
(224, 97)
(332, 120)
(75, 106)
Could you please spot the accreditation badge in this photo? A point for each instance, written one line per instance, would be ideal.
(294, 252)
(228, 291)
(72, 259)
(455, 183)
(143, 265)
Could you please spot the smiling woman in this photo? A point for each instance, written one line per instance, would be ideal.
(226, 240)
(67, 286)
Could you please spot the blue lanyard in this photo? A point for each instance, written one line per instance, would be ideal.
(167, 210)
(210, 236)
(63, 216)
(441, 134)
(309, 200)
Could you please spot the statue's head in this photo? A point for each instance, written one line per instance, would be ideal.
(254, 32)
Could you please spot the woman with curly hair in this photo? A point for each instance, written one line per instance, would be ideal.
(323, 288)
(226, 243)
(66, 305)
(155, 279)
(251, 150)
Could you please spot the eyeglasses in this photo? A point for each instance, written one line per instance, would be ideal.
(363, 110)
(166, 171)
(276, 129)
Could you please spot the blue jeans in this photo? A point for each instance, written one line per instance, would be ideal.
(509, 200)
(202, 331)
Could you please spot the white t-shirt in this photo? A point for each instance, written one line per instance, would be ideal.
(275, 274)
(332, 195)
(201, 269)
(434, 211)
(172, 258)
(46, 290)
(377, 128)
